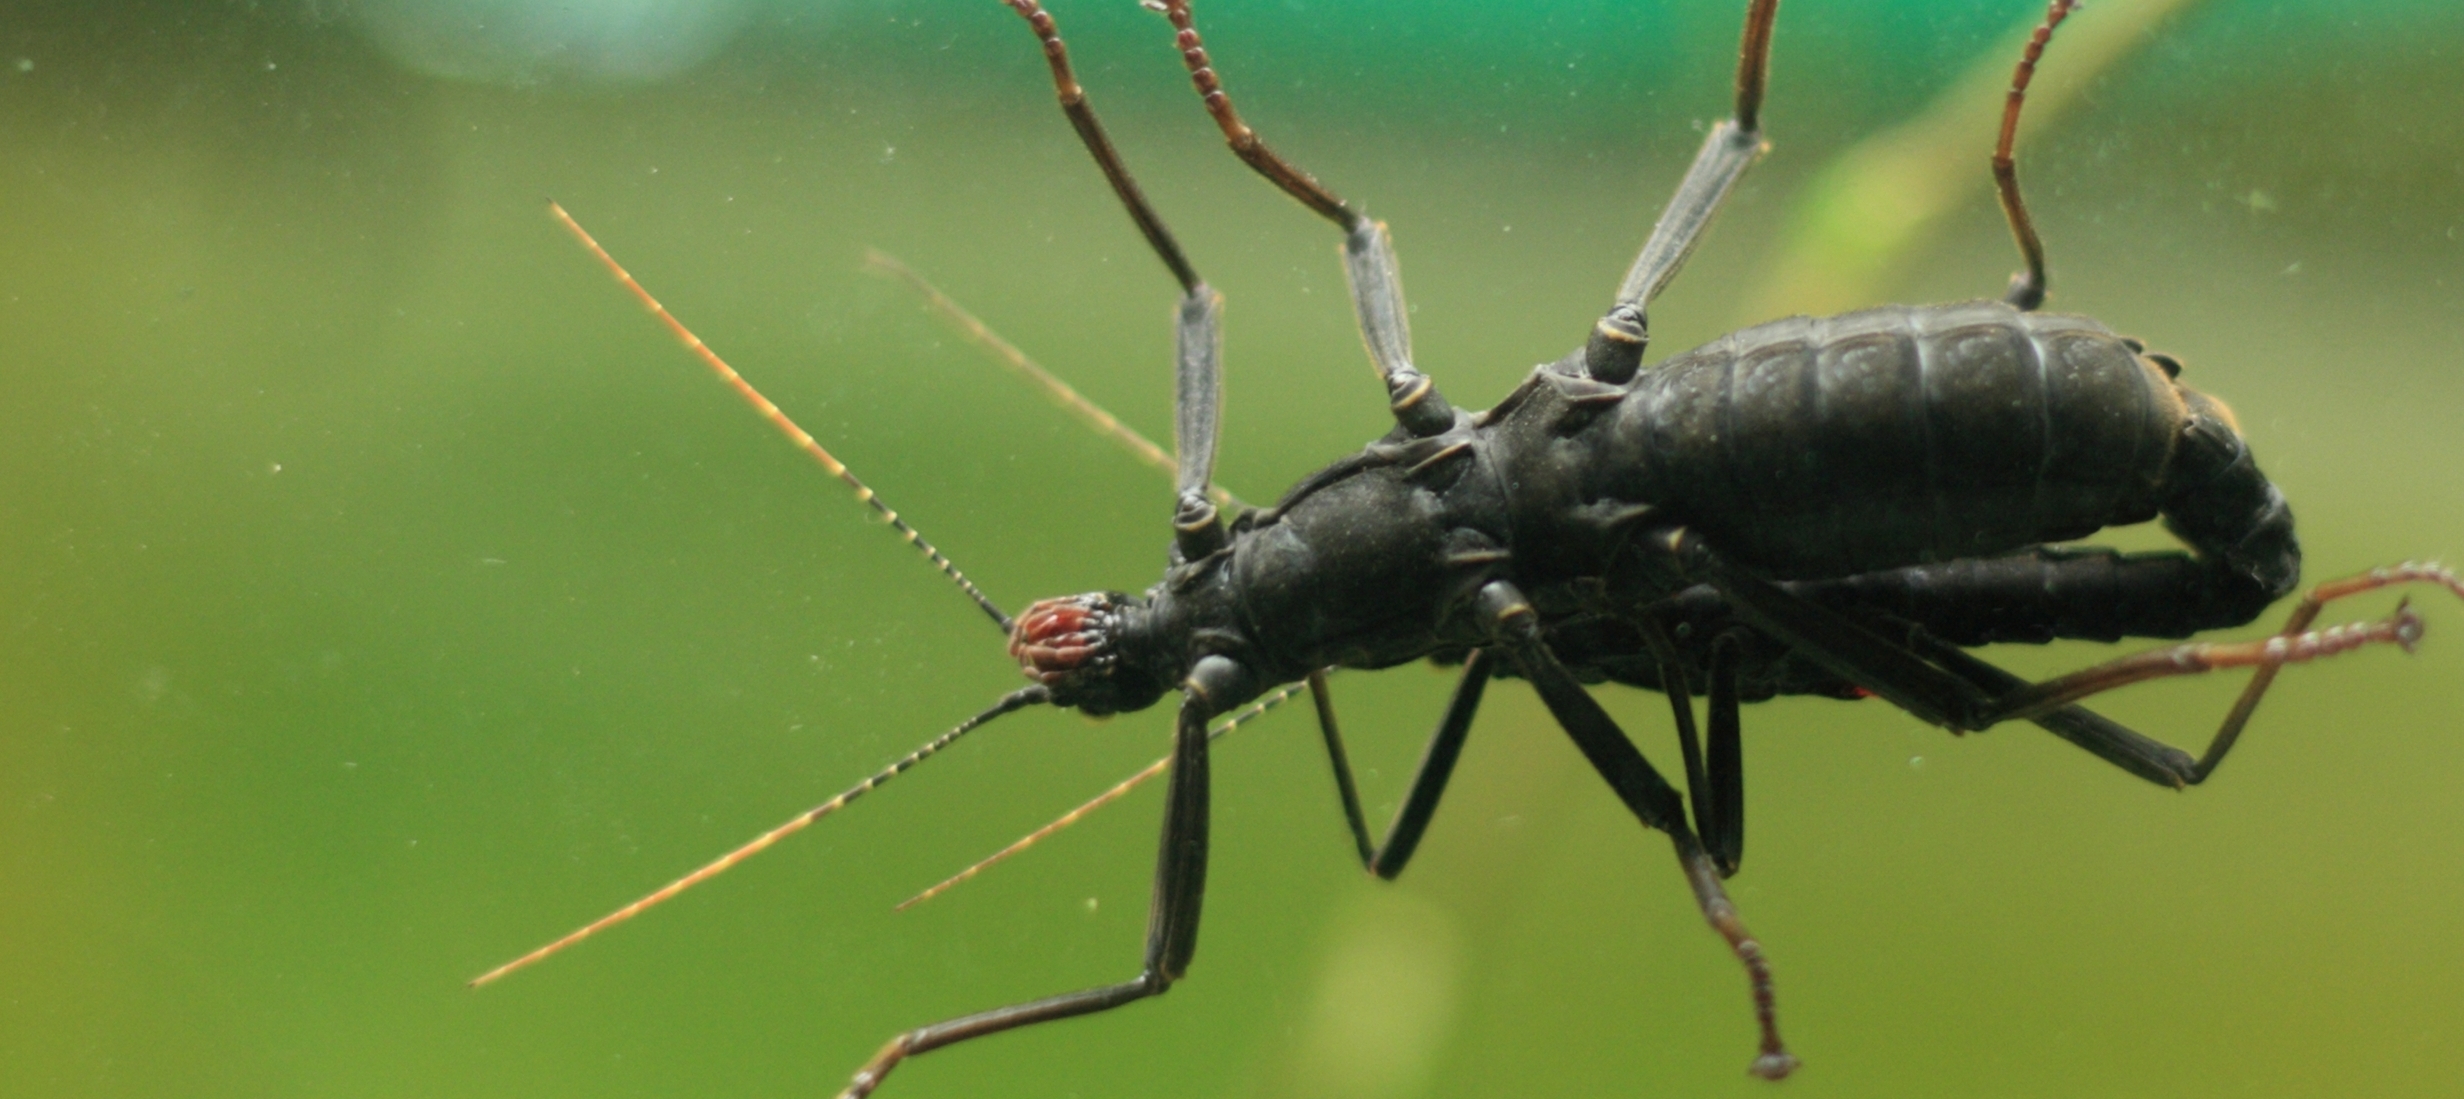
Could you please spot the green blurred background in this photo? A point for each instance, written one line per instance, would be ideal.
(382, 594)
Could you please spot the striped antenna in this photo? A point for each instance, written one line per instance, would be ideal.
(797, 435)
(1119, 790)
(1015, 700)
(878, 262)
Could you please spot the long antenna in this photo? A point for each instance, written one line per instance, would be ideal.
(1015, 700)
(1117, 792)
(797, 435)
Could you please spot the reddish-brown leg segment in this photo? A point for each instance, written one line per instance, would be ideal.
(2027, 289)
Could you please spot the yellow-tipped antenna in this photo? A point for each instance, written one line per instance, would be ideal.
(1018, 699)
(1118, 791)
(975, 331)
(797, 435)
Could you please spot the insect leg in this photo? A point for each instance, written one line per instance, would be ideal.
(1645, 793)
(1001, 351)
(1853, 651)
(1368, 249)
(2035, 597)
(2161, 763)
(1681, 710)
(1099, 145)
(1890, 670)
(1197, 402)
(2027, 289)
(1436, 766)
(1196, 379)
(1172, 918)
(1615, 350)
(1345, 788)
(1387, 858)
(1719, 804)
(2102, 737)
(1968, 699)
(2296, 643)
(1114, 793)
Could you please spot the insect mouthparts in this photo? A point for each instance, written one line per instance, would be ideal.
(1057, 639)
(1075, 644)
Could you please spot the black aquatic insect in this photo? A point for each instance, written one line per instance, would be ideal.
(1830, 506)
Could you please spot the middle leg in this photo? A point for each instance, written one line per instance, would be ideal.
(1645, 793)
(1388, 857)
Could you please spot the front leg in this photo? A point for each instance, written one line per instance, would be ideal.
(1215, 685)
(1368, 250)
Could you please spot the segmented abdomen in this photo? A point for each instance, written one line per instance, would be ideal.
(1824, 446)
